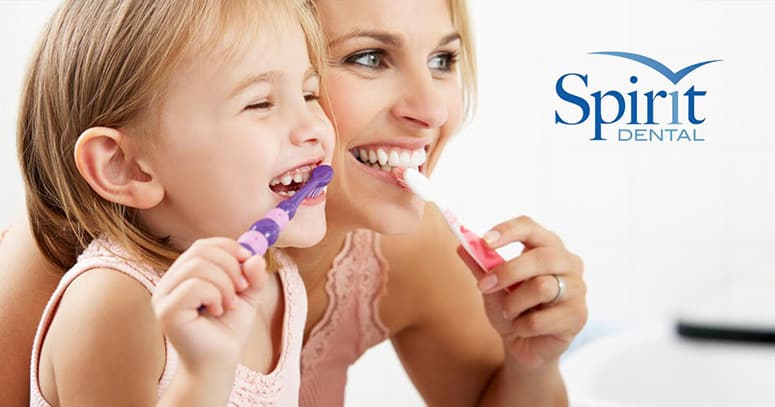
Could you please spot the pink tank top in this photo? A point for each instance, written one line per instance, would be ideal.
(277, 388)
(350, 325)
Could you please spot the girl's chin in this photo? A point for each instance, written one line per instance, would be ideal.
(302, 235)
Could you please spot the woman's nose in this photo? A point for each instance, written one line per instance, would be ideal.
(421, 104)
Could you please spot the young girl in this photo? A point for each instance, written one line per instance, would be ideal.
(146, 128)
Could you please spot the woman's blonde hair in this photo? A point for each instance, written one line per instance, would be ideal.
(462, 22)
(106, 63)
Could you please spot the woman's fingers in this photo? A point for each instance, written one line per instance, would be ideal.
(536, 291)
(532, 263)
(561, 321)
(521, 229)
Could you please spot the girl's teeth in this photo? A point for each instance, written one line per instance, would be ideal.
(364, 155)
(298, 178)
(274, 182)
(286, 179)
(372, 156)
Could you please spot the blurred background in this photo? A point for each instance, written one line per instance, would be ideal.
(668, 231)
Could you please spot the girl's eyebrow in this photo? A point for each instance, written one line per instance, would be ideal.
(386, 38)
(270, 76)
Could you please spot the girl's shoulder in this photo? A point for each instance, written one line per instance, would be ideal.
(104, 329)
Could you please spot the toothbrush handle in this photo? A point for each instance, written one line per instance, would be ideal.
(264, 232)
(486, 257)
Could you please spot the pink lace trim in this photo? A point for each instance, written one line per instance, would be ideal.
(374, 331)
(263, 389)
(354, 271)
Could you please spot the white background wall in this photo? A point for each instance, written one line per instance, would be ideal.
(656, 223)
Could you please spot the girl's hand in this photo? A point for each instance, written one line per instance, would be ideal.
(221, 276)
(536, 327)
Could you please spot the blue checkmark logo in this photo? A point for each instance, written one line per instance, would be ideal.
(673, 77)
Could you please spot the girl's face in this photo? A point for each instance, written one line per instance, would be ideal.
(393, 92)
(235, 131)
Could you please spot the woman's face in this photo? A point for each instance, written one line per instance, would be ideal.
(393, 92)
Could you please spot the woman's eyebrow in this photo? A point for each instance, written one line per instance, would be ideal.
(455, 36)
(380, 36)
(387, 38)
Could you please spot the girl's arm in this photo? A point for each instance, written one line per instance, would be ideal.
(28, 281)
(451, 347)
(106, 344)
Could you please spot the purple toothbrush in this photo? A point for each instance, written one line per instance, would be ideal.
(264, 233)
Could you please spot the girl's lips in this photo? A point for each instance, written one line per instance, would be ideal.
(306, 202)
(315, 201)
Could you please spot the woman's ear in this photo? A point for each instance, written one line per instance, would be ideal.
(108, 165)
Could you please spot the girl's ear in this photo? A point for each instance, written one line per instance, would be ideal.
(106, 162)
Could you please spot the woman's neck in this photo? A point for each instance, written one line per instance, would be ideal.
(314, 262)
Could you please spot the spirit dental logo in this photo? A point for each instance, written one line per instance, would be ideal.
(641, 124)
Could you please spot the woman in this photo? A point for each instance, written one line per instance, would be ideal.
(394, 94)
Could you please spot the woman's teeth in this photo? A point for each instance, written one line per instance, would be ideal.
(387, 159)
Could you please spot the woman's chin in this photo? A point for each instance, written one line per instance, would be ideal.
(396, 218)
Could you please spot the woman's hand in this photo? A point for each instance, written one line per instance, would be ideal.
(220, 276)
(536, 324)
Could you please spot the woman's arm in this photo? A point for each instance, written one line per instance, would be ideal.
(451, 348)
(28, 281)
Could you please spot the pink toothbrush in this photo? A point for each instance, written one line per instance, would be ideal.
(420, 185)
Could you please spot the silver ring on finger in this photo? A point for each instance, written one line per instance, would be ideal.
(560, 289)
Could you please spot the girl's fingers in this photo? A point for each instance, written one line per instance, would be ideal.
(182, 303)
(224, 253)
(254, 269)
(202, 269)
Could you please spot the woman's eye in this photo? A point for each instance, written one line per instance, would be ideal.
(260, 105)
(443, 61)
(311, 97)
(370, 59)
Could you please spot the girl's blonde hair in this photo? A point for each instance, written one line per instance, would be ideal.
(105, 63)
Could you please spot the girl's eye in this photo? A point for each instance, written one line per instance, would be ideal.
(372, 59)
(311, 97)
(260, 105)
(443, 61)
